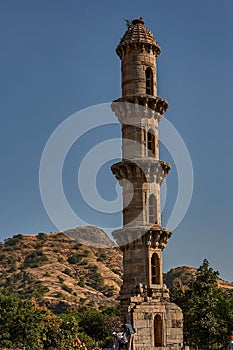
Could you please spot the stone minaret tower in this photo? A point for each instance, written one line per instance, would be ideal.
(144, 298)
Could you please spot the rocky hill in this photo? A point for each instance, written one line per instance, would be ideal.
(185, 274)
(60, 271)
(91, 236)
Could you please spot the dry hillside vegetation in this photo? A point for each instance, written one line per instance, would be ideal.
(61, 272)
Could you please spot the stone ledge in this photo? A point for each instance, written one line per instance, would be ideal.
(154, 236)
(129, 108)
(141, 170)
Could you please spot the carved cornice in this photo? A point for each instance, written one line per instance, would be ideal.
(121, 50)
(158, 238)
(134, 107)
(153, 237)
(140, 171)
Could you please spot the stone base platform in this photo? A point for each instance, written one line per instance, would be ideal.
(158, 324)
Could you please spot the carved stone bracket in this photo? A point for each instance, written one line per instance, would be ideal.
(136, 237)
(123, 49)
(158, 238)
(140, 171)
(130, 109)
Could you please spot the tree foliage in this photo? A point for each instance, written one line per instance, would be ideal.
(207, 309)
(22, 323)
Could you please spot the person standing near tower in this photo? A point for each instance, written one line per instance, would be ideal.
(230, 344)
(119, 340)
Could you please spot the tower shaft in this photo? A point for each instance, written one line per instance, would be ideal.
(144, 298)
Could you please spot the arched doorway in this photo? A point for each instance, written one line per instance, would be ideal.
(158, 331)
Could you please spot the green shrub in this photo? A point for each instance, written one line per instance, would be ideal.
(3, 257)
(67, 288)
(95, 280)
(117, 272)
(74, 259)
(11, 260)
(81, 282)
(85, 253)
(102, 257)
(67, 272)
(77, 245)
(13, 268)
(35, 259)
(13, 240)
(93, 268)
(42, 236)
(60, 259)
(59, 295)
(89, 342)
(84, 262)
(60, 279)
(25, 285)
(109, 291)
(91, 303)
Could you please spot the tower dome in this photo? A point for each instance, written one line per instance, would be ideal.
(138, 34)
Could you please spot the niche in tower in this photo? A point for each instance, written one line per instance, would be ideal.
(155, 269)
(149, 81)
(152, 209)
(151, 142)
(158, 331)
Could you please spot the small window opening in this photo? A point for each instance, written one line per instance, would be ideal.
(152, 209)
(149, 81)
(155, 269)
(151, 141)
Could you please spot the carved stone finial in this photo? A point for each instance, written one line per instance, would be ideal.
(128, 23)
(138, 21)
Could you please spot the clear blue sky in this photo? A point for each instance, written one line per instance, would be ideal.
(58, 57)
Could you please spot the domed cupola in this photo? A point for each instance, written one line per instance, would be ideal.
(138, 35)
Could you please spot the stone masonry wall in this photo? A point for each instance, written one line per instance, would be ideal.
(143, 316)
